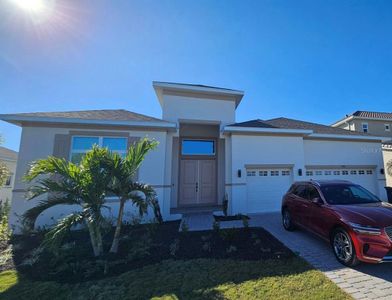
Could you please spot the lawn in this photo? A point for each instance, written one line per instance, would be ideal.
(190, 279)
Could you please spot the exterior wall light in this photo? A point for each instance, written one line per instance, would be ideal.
(382, 172)
(299, 172)
(239, 173)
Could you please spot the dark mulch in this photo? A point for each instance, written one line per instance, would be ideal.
(230, 218)
(143, 245)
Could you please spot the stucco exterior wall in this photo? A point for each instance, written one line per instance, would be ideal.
(260, 150)
(189, 108)
(6, 191)
(375, 127)
(38, 142)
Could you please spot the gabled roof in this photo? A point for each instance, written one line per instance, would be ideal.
(286, 123)
(368, 115)
(103, 114)
(116, 117)
(373, 114)
(6, 153)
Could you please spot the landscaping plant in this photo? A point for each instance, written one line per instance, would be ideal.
(124, 186)
(66, 183)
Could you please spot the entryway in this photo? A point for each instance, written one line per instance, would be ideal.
(197, 182)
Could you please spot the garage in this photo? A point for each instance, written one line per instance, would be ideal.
(266, 187)
(364, 176)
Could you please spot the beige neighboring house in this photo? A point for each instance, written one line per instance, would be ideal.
(9, 157)
(374, 123)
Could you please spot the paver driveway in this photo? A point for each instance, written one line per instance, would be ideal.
(364, 282)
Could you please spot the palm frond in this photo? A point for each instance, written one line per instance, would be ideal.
(56, 235)
(51, 166)
(31, 215)
(389, 167)
(137, 153)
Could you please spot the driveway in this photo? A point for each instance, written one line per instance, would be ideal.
(364, 282)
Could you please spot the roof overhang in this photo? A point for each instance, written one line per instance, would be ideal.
(166, 87)
(21, 120)
(350, 118)
(256, 130)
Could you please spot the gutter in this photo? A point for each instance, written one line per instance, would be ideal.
(18, 120)
(236, 129)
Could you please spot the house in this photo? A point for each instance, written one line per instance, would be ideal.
(374, 123)
(203, 153)
(9, 158)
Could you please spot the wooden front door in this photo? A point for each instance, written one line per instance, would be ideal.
(197, 182)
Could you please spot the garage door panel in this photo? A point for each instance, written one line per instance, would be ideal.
(362, 176)
(266, 187)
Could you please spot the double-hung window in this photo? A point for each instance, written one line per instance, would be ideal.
(365, 127)
(82, 144)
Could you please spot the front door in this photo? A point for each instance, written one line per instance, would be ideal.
(197, 182)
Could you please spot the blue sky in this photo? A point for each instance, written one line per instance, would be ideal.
(311, 60)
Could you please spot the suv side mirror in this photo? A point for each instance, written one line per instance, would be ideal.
(317, 201)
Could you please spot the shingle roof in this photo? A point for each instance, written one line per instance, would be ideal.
(373, 114)
(104, 114)
(8, 153)
(285, 123)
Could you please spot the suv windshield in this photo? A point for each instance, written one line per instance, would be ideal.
(347, 194)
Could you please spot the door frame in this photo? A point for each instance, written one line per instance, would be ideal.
(197, 157)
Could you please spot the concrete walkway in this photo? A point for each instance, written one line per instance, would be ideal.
(364, 282)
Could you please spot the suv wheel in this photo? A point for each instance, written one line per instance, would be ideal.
(286, 220)
(343, 248)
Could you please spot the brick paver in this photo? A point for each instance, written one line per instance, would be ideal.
(366, 281)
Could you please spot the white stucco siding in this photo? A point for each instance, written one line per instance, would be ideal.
(260, 150)
(177, 107)
(38, 142)
(346, 153)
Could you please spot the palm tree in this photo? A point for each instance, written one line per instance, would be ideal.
(69, 184)
(124, 186)
(389, 167)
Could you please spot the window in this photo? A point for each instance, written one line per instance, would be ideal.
(369, 172)
(274, 173)
(300, 191)
(345, 172)
(365, 127)
(8, 180)
(198, 147)
(361, 172)
(286, 173)
(309, 173)
(319, 173)
(80, 145)
(387, 127)
(347, 194)
(327, 173)
(250, 173)
(336, 172)
(263, 173)
(313, 193)
(353, 172)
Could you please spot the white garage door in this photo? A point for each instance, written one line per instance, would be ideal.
(266, 187)
(362, 176)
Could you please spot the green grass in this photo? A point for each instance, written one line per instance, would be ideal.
(191, 279)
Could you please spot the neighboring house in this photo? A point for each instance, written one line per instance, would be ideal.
(9, 158)
(203, 152)
(374, 123)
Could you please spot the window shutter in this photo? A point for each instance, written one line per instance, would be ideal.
(133, 140)
(62, 145)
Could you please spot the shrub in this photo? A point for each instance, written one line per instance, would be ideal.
(174, 247)
(216, 226)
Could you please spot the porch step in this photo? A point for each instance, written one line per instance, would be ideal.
(197, 221)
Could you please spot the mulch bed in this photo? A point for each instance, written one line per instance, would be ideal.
(144, 245)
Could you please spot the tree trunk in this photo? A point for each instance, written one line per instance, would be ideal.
(117, 232)
(93, 238)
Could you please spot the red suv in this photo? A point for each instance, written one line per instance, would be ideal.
(356, 223)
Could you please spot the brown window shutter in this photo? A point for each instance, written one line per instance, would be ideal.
(62, 145)
(132, 140)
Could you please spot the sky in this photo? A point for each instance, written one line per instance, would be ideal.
(310, 60)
